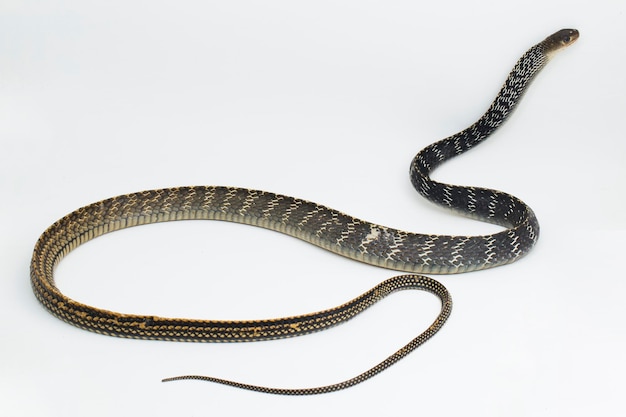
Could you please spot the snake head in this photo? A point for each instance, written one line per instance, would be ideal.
(559, 40)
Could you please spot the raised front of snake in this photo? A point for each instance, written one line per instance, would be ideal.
(321, 226)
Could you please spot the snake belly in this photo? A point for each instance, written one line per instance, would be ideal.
(322, 226)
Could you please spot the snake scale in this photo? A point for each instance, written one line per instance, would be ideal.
(321, 226)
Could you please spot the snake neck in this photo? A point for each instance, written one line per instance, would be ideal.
(476, 202)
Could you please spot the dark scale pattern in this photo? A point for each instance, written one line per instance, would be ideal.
(319, 225)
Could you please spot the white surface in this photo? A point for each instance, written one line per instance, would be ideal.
(327, 101)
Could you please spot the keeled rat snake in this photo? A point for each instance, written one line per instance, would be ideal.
(321, 226)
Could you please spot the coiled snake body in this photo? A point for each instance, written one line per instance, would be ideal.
(321, 226)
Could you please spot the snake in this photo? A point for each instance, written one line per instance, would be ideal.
(412, 253)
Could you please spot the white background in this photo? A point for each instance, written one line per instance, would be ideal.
(328, 101)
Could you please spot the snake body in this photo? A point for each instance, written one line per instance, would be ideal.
(327, 228)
